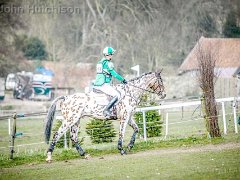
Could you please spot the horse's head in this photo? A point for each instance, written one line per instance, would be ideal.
(156, 84)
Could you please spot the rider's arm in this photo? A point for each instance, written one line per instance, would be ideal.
(110, 68)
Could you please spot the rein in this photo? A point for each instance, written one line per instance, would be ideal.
(142, 88)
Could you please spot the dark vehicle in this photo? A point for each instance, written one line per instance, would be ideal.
(2, 88)
(23, 85)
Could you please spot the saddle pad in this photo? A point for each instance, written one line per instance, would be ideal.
(97, 91)
(100, 99)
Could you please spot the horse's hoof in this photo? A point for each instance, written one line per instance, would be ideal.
(87, 156)
(82, 154)
(48, 160)
(49, 157)
(129, 147)
(123, 152)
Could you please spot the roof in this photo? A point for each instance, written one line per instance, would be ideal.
(226, 51)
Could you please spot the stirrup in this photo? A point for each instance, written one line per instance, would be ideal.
(109, 115)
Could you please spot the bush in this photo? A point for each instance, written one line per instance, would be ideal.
(100, 131)
(153, 119)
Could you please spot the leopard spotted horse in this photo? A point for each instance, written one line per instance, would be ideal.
(79, 105)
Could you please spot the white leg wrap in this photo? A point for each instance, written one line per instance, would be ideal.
(49, 157)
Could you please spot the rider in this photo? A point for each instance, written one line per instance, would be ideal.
(105, 71)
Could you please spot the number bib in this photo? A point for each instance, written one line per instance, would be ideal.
(99, 68)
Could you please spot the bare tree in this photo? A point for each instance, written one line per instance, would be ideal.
(207, 57)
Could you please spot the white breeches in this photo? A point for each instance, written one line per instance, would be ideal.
(108, 89)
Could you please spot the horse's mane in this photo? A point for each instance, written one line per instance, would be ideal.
(139, 77)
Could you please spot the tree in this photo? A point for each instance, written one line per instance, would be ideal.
(34, 49)
(10, 60)
(230, 28)
(207, 58)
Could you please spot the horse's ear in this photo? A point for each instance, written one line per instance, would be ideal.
(158, 73)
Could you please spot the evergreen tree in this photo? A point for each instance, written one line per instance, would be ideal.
(230, 28)
(153, 119)
(100, 131)
(34, 49)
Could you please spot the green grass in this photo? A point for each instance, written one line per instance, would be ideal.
(29, 161)
(220, 164)
(62, 154)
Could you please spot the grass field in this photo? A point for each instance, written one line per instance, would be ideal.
(182, 123)
(220, 161)
(186, 153)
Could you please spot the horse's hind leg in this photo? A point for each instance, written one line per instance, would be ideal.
(63, 128)
(133, 124)
(74, 137)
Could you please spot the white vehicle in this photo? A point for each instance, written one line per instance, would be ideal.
(2, 88)
(10, 81)
(42, 87)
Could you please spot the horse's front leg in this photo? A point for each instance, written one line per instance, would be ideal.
(121, 136)
(133, 124)
(123, 124)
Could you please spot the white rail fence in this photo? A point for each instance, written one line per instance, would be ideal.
(234, 101)
(165, 111)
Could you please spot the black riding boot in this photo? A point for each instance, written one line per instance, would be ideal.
(107, 111)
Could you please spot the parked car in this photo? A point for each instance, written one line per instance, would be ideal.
(23, 87)
(2, 88)
(10, 81)
(42, 87)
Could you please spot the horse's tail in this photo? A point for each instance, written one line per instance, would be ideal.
(49, 118)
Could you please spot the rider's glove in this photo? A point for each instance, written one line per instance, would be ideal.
(124, 81)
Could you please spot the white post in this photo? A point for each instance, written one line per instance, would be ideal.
(136, 68)
(224, 119)
(144, 126)
(65, 141)
(166, 133)
(235, 116)
(9, 126)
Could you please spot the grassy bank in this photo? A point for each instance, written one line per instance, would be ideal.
(61, 154)
(152, 164)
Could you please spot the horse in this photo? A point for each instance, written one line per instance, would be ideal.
(76, 106)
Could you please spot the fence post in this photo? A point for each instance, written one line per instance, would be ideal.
(13, 135)
(65, 140)
(144, 126)
(235, 116)
(9, 126)
(224, 119)
(166, 132)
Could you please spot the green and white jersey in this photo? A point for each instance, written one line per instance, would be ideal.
(105, 71)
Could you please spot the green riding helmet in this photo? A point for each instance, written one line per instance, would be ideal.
(108, 51)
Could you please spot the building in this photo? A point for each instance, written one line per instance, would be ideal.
(226, 53)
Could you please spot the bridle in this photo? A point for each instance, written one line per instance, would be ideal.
(154, 91)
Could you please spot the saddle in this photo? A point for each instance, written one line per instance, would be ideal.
(104, 99)
(101, 95)
(98, 91)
